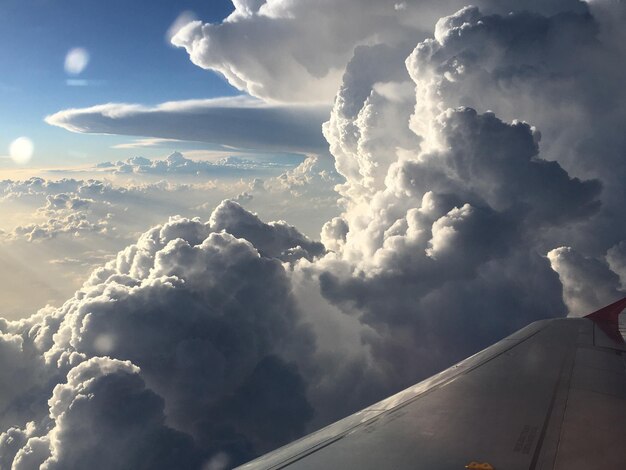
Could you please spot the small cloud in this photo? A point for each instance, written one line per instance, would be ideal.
(76, 82)
(145, 143)
(76, 61)
(81, 82)
(176, 163)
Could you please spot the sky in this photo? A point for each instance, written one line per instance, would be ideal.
(267, 200)
(130, 59)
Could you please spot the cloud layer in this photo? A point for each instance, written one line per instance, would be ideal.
(55, 231)
(177, 164)
(239, 122)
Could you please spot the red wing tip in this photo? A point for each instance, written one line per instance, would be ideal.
(610, 313)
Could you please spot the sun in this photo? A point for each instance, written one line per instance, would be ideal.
(21, 150)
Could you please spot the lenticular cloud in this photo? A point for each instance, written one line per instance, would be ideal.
(482, 169)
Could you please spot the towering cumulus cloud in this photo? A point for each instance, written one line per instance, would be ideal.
(481, 154)
(198, 321)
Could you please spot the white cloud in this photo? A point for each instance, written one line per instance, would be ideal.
(297, 51)
(143, 143)
(314, 178)
(54, 231)
(74, 223)
(177, 164)
(181, 20)
(588, 283)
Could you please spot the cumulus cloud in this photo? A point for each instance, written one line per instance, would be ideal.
(78, 207)
(476, 60)
(544, 70)
(73, 223)
(461, 221)
(63, 213)
(270, 239)
(239, 122)
(85, 425)
(315, 178)
(177, 164)
(587, 282)
(55, 231)
(525, 66)
(204, 318)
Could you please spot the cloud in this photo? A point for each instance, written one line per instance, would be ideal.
(73, 223)
(55, 231)
(213, 322)
(270, 239)
(79, 207)
(474, 60)
(88, 431)
(177, 164)
(63, 213)
(295, 51)
(549, 79)
(314, 178)
(146, 143)
(181, 20)
(446, 205)
(461, 221)
(478, 60)
(239, 122)
(588, 283)
(288, 52)
(21, 189)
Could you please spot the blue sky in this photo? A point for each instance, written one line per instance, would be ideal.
(131, 61)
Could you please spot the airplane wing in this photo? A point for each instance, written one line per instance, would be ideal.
(551, 396)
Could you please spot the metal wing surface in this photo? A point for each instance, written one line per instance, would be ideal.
(551, 396)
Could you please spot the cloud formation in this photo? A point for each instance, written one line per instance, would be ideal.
(55, 231)
(177, 164)
(447, 204)
(203, 317)
(239, 122)
(295, 51)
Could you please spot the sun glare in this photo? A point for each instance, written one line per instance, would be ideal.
(21, 150)
(76, 60)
